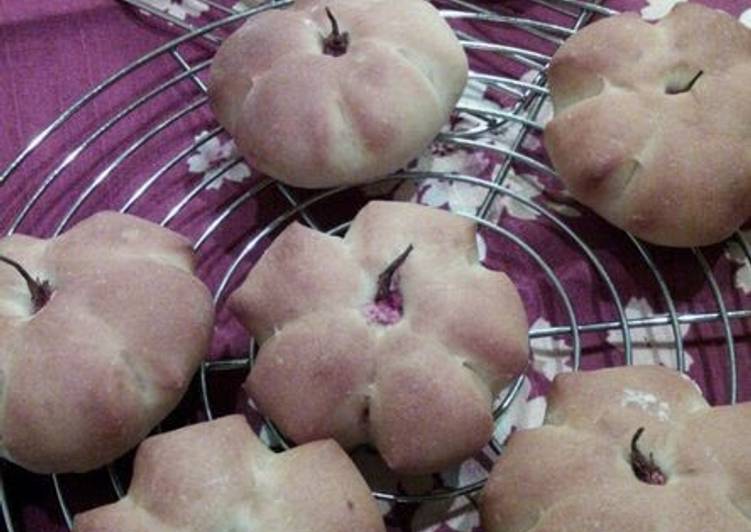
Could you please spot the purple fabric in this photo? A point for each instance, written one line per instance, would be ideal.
(54, 52)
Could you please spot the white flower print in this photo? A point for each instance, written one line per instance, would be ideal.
(442, 159)
(550, 356)
(474, 98)
(656, 9)
(563, 208)
(214, 154)
(529, 186)
(545, 114)
(650, 345)
(474, 94)
(736, 254)
(482, 248)
(466, 198)
(507, 133)
(526, 186)
(179, 8)
(468, 472)
(746, 18)
(461, 197)
(523, 413)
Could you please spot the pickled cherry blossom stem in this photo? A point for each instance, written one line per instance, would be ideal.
(337, 42)
(40, 290)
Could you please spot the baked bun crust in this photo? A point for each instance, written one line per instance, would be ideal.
(313, 120)
(87, 376)
(333, 364)
(575, 472)
(651, 126)
(218, 476)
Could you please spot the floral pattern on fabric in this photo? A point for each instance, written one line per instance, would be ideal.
(212, 157)
(656, 9)
(590, 299)
(737, 254)
(180, 9)
(653, 344)
(745, 18)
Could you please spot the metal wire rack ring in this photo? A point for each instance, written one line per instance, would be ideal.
(528, 98)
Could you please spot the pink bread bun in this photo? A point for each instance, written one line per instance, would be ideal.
(89, 373)
(315, 119)
(218, 476)
(415, 373)
(590, 468)
(651, 126)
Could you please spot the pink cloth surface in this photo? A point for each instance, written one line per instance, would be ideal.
(51, 53)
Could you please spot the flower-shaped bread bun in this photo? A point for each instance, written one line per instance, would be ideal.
(101, 330)
(652, 123)
(218, 477)
(630, 449)
(394, 336)
(339, 91)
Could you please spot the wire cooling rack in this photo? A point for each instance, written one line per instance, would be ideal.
(524, 99)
